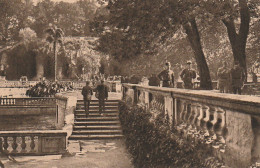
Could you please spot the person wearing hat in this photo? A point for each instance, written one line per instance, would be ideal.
(187, 75)
(101, 95)
(87, 94)
(223, 78)
(237, 76)
(167, 76)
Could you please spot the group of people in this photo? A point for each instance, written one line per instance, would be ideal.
(231, 80)
(101, 93)
(167, 77)
(47, 89)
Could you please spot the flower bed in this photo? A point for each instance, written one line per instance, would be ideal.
(152, 143)
(47, 89)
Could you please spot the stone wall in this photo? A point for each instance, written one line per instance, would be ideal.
(228, 124)
(65, 113)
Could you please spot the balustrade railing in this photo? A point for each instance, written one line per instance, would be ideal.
(228, 123)
(27, 101)
(32, 142)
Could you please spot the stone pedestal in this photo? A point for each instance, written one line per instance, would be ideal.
(2, 78)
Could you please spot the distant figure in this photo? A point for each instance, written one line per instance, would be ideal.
(87, 93)
(102, 95)
(167, 76)
(187, 75)
(154, 80)
(237, 76)
(134, 79)
(223, 78)
(254, 77)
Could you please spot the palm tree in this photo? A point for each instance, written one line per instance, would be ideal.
(54, 36)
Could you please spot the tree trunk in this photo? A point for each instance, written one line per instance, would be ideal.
(238, 40)
(194, 39)
(55, 61)
(39, 67)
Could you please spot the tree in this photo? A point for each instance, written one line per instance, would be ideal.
(238, 40)
(54, 36)
(43, 15)
(152, 22)
(9, 14)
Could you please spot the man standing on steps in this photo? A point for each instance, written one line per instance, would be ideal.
(101, 95)
(87, 93)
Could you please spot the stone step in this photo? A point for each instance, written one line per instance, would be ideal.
(83, 115)
(97, 127)
(95, 111)
(94, 137)
(79, 101)
(102, 118)
(96, 103)
(97, 107)
(96, 123)
(97, 132)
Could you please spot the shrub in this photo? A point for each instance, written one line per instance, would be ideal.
(153, 144)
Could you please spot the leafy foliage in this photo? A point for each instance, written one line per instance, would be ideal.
(152, 143)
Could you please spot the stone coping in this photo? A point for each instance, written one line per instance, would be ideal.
(34, 132)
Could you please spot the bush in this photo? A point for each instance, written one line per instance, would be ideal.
(153, 144)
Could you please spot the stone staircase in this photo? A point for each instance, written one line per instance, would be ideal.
(96, 126)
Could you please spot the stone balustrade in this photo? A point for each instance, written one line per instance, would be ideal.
(33, 142)
(226, 123)
(35, 101)
(27, 106)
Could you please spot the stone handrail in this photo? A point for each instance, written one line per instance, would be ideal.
(33, 142)
(228, 123)
(17, 84)
(35, 101)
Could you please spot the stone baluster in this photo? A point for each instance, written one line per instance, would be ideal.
(220, 126)
(187, 112)
(196, 113)
(205, 121)
(1, 145)
(182, 110)
(23, 145)
(32, 145)
(191, 115)
(14, 145)
(211, 123)
(5, 145)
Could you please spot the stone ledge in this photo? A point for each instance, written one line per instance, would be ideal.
(34, 132)
(243, 103)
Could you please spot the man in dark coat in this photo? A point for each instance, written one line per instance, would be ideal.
(223, 78)
(167, 76)
(154, 80)
(87, 93)
(102, 95)
(187, 75)
(237, 76)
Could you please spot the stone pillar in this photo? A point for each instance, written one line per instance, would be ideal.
(169, 108)
(135, 100)
(239, 140)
